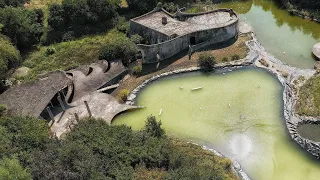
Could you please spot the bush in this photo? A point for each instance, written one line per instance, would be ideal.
(235, 57)
(225, 59)
(123, 95)
(136, 39)
(137, 69)
(49, 51)
(3, 110)
(206, 61)
(123, 49)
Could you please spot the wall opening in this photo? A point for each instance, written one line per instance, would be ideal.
(192, 40)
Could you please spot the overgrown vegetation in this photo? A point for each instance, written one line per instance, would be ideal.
(309, 8)
(9, 58)
(123, 95)
(206, 61)
(71, 54)
(309, 97)
(95, 150)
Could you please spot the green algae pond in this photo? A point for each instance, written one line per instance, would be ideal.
(239, 114)
(289, 38)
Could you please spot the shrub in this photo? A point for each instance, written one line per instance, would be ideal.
(153, 128)
(49, 51)
(235, 57)
(123, 95)
(225, 59)
(136, 70)
(3, 110)
(123, 49)
(136, 39)
(206, 61)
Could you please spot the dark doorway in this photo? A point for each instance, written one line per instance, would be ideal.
(192, 40)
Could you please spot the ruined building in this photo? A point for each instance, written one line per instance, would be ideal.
(167, 34)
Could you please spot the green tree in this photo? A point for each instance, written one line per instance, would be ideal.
(206, 61)
(153, 127)
(14, 3)
(10, 169)
(24, 27)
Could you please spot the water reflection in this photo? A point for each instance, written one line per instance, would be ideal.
(289, 38)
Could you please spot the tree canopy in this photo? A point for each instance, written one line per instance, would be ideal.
(96, 150)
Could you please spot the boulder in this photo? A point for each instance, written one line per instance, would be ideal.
(316, 50)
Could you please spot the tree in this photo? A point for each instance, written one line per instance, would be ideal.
(10, 169)
(14, 3)
(153, 127)
(74, 18)
(24, 27)
(206, 61)
(142, 6)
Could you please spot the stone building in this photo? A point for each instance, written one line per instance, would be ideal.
(167, 34)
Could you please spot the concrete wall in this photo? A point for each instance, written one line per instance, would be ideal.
(172, 47)
(151, 36)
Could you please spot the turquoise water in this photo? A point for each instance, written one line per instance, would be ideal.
(289, 38)
(238, 114)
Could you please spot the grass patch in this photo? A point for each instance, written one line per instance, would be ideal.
(68, 55)
(309, 97)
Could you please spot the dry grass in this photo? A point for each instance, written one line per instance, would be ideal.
(42, 3)
(239, 48)
(309, 98)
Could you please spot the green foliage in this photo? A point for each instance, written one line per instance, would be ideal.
(137, 69)
(123, 95)
(235, 57)
(14, 3)
(96, 150)
(142, 6)
(3, 110)
(9, 57)
(74, 18)
(27, 133)
(206, 61)
(153, 128)
(24, 27)
(122, 48)
(49, 51)
(137, 39)
(225, 59)
(10, 169)
(70, 54)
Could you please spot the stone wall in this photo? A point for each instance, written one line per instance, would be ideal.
(172, 47)
(150, 36)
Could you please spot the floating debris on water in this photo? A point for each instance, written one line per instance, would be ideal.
(197, 88)
(229, 105)
(180, 87)
(160, 112)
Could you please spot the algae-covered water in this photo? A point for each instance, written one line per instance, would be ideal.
(310, 131)
(289, 38)
(238, 114)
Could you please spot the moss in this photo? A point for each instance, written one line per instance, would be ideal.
(309, 97)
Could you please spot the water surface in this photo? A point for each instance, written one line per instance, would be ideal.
(289, 38)
(310, 131)
(238, 114)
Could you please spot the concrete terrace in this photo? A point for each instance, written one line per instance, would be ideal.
(197, 22)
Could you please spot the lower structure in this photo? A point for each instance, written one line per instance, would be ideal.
(165, 34)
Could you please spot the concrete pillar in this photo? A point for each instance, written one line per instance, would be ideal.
(61, 103)
(190, 52)
(76, 117)
(50, 114)
(88, 109)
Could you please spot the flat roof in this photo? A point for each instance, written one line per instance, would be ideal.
(194, 23)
